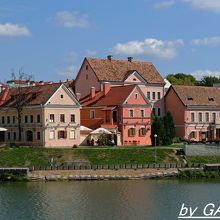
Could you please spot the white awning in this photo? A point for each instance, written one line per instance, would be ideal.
(3, 129)
(83, 128)
(101, 131)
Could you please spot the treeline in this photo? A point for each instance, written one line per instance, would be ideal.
(189, 80)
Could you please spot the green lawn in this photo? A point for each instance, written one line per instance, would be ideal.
(12, 157)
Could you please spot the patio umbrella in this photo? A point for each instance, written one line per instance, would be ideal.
(3, 129)
(101, 131)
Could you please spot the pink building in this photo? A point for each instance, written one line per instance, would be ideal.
(123, 110)
(196, 112)
(95, 72)
(50, 116)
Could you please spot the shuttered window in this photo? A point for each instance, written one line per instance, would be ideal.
(62, 134)
(131, 132)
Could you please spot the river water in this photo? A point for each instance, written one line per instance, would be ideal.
(98, 200)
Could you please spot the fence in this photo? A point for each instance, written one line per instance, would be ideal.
(117, 167)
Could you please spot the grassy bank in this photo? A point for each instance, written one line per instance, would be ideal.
(21, 157)
(199, 174)
(203, 159)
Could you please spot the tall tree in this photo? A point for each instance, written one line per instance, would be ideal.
(209, 81)
(181, 79)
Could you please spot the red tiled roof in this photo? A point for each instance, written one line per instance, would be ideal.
(198, 95)
(117, 70)
(34, 95)
(116, 96)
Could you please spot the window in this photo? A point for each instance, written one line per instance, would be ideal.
(87, 67)
(142, 113)
(87, 76)
(142, 132)
(131, 132)
(38, 118)
(154, 96)
(8, 119)
(14, 136)
(158, 95)
(38, 135)
(115, 116)
(148, 95)
(92, 114)
(72, 134)
(9, 136)
(207, 116)
(192, 117)
(158, 111)
(200, 116)
(61, 96)
(13, 119)
(62, 118)
(52, 118)
(3, 120)
(136, 96)
(131, 113)
(51, 135)
(213, 116)
(154, 112)
(72, 118)
(26, 119)
(62, 134)
(193, 134)
(32, 119)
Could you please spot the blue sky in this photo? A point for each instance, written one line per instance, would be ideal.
(50, 38)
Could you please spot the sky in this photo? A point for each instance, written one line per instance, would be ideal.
(49, 39)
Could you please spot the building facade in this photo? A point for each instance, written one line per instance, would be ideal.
(50, 116)
(95, 72)
(122, 110)
(195, 111)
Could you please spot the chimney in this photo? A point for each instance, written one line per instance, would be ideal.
(130, 59)
(109, 57)
(78, 96)
(92, 92)
(106, 87)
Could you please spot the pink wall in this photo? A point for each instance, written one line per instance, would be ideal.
(86, 79)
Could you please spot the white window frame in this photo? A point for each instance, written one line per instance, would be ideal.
(50, 137)
(71, 134)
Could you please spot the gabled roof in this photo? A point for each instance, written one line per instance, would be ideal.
(117, 70)
(198, 95)
(116, 96)
(34, 95)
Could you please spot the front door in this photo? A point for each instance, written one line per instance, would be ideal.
(2, 136)
(29, 136)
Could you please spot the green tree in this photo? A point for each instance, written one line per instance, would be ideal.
(181, 79)
(209, 81)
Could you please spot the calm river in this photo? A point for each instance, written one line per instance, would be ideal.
(98, 200)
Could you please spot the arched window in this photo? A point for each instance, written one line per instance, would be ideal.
(131, 132)
(142, 132)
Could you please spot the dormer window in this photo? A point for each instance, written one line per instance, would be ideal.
(61, 96)
(211, 99)
(190, 98)
(134, 79)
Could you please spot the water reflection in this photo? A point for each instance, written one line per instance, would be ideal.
(98, 200)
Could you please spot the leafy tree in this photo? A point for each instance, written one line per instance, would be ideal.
(164, 128)
(209, 81)
(181, 79)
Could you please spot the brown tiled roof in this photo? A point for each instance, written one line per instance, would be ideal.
(34, 95)
(198, 95)
(117, 70)
(116, 96)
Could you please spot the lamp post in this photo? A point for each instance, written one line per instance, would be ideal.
(155, 144)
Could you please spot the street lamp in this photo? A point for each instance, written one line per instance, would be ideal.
(155, 144)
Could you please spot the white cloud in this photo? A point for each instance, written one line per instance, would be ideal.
(71, 19)
(164, 4)
(149, 46)
(211, 5)
(200, 73)
(91, 52)
(13, 30)
(208, 41)
(69, 71)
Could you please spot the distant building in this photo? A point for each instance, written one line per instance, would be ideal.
(26, 83)
(123, 110)
(50, 116)
(94, 72)
(196, 112)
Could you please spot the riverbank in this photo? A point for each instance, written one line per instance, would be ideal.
(121, 174)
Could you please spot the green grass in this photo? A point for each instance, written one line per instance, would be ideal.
(21, 157)
(203, 159)
(199, 174)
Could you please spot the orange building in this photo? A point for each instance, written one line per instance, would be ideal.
(123, 110)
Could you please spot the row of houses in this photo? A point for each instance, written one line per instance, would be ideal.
(117, 95)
